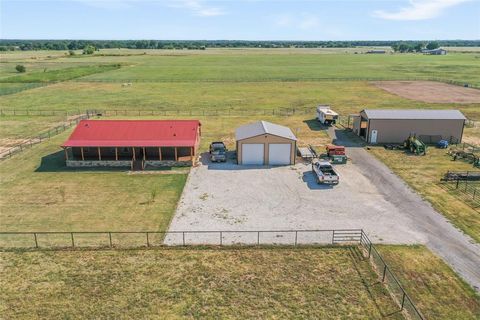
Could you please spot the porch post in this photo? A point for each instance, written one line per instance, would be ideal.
(99, 154)
(66, 153)
(134, 158)
(81, 151)
(176, 155)
(160, 153)
(116, 153)
(144, 154)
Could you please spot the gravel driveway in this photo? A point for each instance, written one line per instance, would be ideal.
(227, 196)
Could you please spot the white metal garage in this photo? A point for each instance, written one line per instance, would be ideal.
(252, 153)
(265, 143)
(279, 153)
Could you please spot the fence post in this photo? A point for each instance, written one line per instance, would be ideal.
(110, 238)
(148, 242)
(36, 241)
(369, 250)
(296, 237)
(183, 236)
(73, 241)
(258, 238)
(221, 236)
(384, 272)
(403, 300)
(333, 237)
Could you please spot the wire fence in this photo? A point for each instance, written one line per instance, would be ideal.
(128, 82)
(122, 240)
(464, 185)
(28, 112)
(285, 112)
(389, 279)
(30, 142)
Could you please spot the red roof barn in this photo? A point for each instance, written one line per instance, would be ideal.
(135, 143)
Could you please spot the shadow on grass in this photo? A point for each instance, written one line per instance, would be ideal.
(374, 287)
(315, 125)
(55, 162)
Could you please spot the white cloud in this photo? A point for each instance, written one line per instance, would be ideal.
(197, 7)
(419, 10)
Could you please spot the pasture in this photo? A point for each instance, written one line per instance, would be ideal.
(333, 283)
(223, 89)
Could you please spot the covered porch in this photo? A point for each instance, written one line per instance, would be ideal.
(126, 156)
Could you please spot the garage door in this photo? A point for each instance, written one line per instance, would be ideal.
(252, 153)
(279, 153)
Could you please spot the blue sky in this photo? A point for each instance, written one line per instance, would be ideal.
(240, 19)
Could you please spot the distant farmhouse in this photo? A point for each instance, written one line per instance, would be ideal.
(376, 52)
(436, 52)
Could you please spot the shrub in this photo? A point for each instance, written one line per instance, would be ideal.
(20, 68)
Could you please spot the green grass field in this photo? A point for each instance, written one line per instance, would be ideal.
(436, 289)
(193, 283)
(39, 193)
(322, 283)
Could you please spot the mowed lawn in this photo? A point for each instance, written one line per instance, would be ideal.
(38, 193)
(423, 174)
(325, 283)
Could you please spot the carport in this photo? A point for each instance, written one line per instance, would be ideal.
(265, 143)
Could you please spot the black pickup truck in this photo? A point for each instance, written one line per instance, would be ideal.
(218, 152)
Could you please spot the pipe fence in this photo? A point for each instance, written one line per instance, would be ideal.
(134, 239)
(28, 143)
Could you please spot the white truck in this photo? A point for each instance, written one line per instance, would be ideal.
(324, 172)
(326, 115)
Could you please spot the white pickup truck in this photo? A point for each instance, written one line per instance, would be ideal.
(324, 172)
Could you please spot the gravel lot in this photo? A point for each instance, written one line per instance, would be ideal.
(231, 197)
(226, 196)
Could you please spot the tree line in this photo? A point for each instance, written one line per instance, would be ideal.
(400, 46)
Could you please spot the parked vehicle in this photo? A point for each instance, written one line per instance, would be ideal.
(326, 115)
(415, 145)
(442, 144)
(325, 173)
(218, 152)
(336, 154)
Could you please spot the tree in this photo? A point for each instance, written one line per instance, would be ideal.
(88, 49)
(20, 68)
(419, 47)
(432, 45)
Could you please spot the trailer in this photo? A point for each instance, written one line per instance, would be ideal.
(326, 115)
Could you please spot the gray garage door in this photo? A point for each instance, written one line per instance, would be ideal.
(279, 153)
(252, 153)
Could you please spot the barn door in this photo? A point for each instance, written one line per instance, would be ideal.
(373, 136)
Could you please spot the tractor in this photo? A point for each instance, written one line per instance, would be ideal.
(415, 145)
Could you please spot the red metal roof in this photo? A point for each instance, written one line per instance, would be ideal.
(134, 133)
